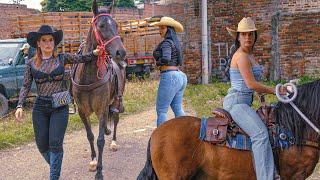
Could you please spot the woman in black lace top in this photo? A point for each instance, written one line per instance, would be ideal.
(47, 69)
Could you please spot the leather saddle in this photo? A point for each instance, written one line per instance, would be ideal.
(222, 125)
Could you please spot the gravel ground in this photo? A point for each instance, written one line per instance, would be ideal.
(26, 163)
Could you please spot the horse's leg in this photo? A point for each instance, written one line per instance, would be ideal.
(100, 142)
(90, 137)
(115, 118)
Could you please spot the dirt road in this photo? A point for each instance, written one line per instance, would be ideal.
(25, 163)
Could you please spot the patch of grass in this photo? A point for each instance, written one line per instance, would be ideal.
(204, 98)
(139, 95)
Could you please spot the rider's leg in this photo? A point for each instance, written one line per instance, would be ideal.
(117, 105)
(250, 122)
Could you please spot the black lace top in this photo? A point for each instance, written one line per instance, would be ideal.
(49, 77)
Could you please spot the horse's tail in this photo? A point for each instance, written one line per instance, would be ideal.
(148, 173)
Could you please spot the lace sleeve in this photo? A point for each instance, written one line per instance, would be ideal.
(74, 59)
(27, 81)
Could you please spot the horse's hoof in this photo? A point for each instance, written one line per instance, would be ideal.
(99, 176)
(113, 146)
(108, 131)
(93, 165)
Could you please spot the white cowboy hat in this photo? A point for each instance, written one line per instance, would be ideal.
(245, 25)
(168, 21)
(25, 46)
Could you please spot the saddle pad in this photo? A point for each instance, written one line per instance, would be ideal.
(239, 141)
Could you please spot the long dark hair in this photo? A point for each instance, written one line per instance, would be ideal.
(171, 34)
(236, 44)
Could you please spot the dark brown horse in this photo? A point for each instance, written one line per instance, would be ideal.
(94, 83)
(175, 151)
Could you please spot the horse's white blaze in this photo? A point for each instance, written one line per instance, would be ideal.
(113, 146)
(93, 165)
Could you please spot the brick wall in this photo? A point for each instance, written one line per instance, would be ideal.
(8, 14)
(288, 45)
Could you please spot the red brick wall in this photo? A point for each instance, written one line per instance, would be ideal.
(288, 45)
(299, 39)
(8, 14)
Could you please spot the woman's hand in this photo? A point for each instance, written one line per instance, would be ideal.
(97, 52)
(18, 114)
(284, 90)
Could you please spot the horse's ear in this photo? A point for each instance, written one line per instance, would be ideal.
(110, 7)
(95, 8)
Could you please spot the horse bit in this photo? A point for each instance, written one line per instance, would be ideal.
(286, 99)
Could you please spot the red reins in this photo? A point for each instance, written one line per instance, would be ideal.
(103, 57)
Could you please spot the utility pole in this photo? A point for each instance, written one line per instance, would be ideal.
(205, 61)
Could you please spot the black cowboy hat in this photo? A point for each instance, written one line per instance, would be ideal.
(33, 37)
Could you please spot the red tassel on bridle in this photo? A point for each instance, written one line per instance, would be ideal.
(103, 57)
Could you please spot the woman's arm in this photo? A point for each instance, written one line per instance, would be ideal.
(70, 58)
(245, 69)
(166, 52)
(27, 81)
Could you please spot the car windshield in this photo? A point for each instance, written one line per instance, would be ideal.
(8, 52)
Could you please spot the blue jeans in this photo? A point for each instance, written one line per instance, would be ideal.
(239, 106)
(49, 126)
(170, 93)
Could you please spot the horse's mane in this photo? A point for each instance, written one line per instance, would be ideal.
(308, 101)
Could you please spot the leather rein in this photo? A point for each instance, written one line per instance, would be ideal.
(103, 59)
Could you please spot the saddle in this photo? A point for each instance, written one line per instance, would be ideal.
(219, 127)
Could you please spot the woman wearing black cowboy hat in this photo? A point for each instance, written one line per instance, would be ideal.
(47, 69)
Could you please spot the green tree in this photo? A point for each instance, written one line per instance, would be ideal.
(79, 5)
(125, 3)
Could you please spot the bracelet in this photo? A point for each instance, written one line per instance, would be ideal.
(19, 106)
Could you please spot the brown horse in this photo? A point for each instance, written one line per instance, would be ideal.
(176, 152)
(94, 83)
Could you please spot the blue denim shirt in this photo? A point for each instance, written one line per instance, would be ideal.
(240, 93)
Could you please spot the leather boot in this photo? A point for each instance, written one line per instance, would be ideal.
(117, 105)
(55, 165)
(46, 156)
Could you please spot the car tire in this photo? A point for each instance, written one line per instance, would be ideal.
(4, 105)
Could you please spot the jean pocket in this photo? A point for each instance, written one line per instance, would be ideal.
(229, 101)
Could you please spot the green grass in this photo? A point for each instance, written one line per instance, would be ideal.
(139, 95)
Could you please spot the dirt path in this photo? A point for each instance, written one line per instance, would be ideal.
(25, 163)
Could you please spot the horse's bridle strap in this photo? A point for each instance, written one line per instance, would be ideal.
(311, 144)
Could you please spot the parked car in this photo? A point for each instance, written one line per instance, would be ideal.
(12, 67)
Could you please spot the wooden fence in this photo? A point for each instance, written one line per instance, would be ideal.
(138, 36)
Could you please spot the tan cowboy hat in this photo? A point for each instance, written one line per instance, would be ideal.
(245, 25)
(168, 21)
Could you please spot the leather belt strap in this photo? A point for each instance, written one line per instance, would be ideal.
(166, 68)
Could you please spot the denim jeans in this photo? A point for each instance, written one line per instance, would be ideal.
(49, 126)
(170, 93)
(239, 106)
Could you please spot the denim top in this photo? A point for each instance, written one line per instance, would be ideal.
(237, 82)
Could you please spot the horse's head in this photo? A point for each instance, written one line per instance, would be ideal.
(105, 32)
(308, 101)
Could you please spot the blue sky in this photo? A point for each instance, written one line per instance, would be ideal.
(35, 4)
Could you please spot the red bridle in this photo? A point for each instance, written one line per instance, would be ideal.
(103, 57)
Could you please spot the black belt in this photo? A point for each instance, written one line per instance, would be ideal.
(168, 70)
